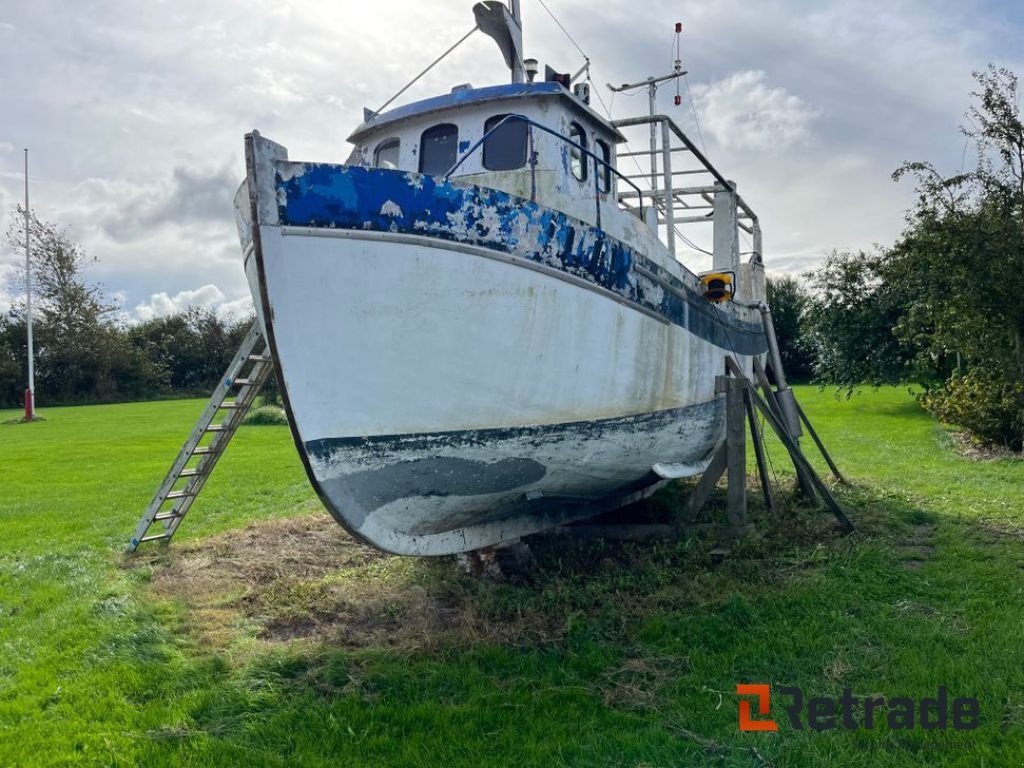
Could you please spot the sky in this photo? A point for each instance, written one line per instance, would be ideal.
(134, 113)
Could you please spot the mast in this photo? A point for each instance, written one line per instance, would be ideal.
(518, 73)
(651, 83)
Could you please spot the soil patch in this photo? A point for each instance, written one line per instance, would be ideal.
(306, 578)
(968, 447)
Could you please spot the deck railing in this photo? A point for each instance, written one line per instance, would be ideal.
(532, 159)
(712, 198)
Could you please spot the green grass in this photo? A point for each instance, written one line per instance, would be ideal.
(621, 656)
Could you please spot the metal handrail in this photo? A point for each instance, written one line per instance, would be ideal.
(533, 161)
(670, 123)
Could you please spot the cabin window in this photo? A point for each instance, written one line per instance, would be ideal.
(604, 167)
(505, 149)
(578, 142)
(439, 149)
(386, 154)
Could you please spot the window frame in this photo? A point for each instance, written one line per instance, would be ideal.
(386, 144)
(489, 125)
(455, 147)
(604, 152)
(578, 151)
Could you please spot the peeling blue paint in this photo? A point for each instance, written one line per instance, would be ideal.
(353, 197)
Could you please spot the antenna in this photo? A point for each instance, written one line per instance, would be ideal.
(651, 83)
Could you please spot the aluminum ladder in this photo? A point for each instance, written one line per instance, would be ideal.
(231, 400)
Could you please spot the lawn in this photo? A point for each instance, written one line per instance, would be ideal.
(262, 636)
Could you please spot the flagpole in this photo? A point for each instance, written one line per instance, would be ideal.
(30, 406)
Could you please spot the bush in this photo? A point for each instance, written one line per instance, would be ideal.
(266, 415)
(983, 401)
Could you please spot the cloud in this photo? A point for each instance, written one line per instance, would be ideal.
(743, 112)
(161, 304)
(236, 310)
(191, 195)
(207, 296)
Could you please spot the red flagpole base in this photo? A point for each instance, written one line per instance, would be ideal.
(30, 410)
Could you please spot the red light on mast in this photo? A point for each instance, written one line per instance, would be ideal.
(679, 100)
(679, 27)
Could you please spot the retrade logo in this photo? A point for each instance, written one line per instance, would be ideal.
(763, 694)
(821, 713)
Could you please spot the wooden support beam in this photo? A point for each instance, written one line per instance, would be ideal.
(799, 459)
(730, 459)
(817, 441)
(759, 454)
(805, 483)
(706, 484)
(736, 451)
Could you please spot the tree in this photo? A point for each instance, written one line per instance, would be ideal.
(194, 347)
(81, 353)
(788, 301)
(960, 268)
(850, 315)
(12, 361)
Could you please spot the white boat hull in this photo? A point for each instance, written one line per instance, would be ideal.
(446, 396)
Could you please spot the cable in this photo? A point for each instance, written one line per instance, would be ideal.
(433, 64)
(696, 119)
(690, 242)
(564, 30)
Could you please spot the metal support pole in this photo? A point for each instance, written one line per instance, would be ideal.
(652, 95)
(518, 72)
(666, 161)
(782, 391)
(30, 404)
(726, 241)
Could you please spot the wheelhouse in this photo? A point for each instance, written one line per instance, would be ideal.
(534, 140)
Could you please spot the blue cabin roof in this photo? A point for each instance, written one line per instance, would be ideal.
(469, 96)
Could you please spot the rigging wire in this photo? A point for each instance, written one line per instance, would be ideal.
(677, 52)
(564, 30)
(696, 118)
(690, 242)
(433, 64)
(596, 91)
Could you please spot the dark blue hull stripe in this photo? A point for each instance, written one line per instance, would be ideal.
(378, 200)
(382, 445)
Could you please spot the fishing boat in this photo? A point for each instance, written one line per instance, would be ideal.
(481, 322)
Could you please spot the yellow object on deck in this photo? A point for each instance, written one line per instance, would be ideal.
(718, 286)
